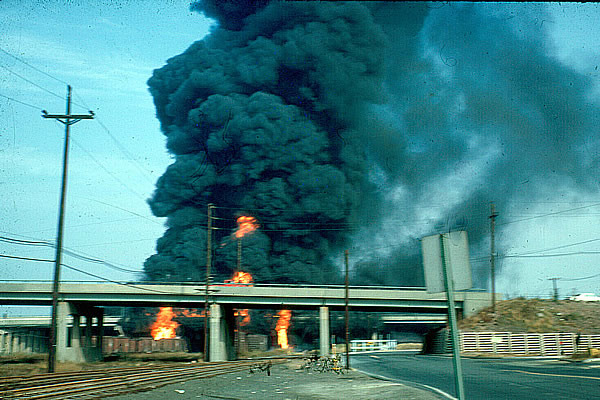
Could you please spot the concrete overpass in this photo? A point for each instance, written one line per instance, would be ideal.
(363, 298)
(30, 334)
(83, 299)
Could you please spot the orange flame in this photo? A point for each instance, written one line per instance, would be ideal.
(164, 327)
(282, 326)
(243, 313)
(246, 225)
(190, 313)
(244, 278)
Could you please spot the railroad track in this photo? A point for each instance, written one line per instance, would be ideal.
(98, 384)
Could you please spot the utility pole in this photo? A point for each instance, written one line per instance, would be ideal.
(239, 255)
(346, 312)
(493, 216)
(67, 119)
(555, 288)
(208, 265)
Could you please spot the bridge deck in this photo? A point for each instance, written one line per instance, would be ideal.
(259, 296)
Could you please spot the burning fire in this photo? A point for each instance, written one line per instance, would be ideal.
(241, 277)
(282, 326)
(244, 279)
(246, 225)
(243, 313)
(190, 313)
(164, 327)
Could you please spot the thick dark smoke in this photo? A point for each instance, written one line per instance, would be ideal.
(359, 125)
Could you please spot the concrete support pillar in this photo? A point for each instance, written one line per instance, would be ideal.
(15, 342)
(8, 341)
(35, 343)
(324, 344)
(29, 342)
(100, 338)
(222, 324)
(75, 333)
(88, 329)
(62, 313)
(76, 351)
(23, 341)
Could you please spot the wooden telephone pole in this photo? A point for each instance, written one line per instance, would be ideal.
(346, 311)
(67, 119)
(208, 265)
(493, 216)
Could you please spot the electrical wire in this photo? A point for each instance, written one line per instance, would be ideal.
(24, 258)
(552, 255)
(144, 172)
(548, 214)
(21, 102)
(31, 66)
(67, 251)
(107, 171)
(579, 279)
(85, 273)
(122, 209)
(32, 83)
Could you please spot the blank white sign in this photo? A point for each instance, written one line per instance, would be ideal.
(456, 255)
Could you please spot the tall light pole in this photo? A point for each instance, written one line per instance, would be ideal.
(67, 119)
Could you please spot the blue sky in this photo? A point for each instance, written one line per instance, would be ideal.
(107, 50)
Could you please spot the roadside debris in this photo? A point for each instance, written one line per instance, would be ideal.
(264, 366)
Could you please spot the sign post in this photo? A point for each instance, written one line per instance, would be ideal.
(447, 268)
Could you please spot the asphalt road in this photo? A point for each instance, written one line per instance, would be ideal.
(487, 379)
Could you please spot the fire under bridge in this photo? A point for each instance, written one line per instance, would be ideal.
(84, 299)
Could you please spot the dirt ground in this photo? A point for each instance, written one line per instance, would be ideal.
(537, 316)
(286, 382)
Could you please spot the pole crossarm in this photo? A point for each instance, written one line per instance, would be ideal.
(68, 119)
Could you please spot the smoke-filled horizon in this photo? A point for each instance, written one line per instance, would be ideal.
(361, 126)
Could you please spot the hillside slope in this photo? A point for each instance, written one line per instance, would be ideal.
(537, 316)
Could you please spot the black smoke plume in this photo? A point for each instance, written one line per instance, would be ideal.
(361, 126)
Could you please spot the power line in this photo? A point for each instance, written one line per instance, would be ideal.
(122, 209)
(86, 224)
(31, 66)
(80, 256)
(579, 279)
(559, 247)
(21, 102)
(107, 171)
(112, 281)
(122, 148)
(85, 273)
(24, 242)
(552, 255)
(25, 258)
(549, 214)
(31, 82)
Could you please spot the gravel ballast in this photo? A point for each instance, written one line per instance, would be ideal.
(286, 382)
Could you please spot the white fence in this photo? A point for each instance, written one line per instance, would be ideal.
(544, 344)
(372, 345)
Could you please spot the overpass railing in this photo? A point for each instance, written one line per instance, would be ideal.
(373, 345)
(215, 283)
